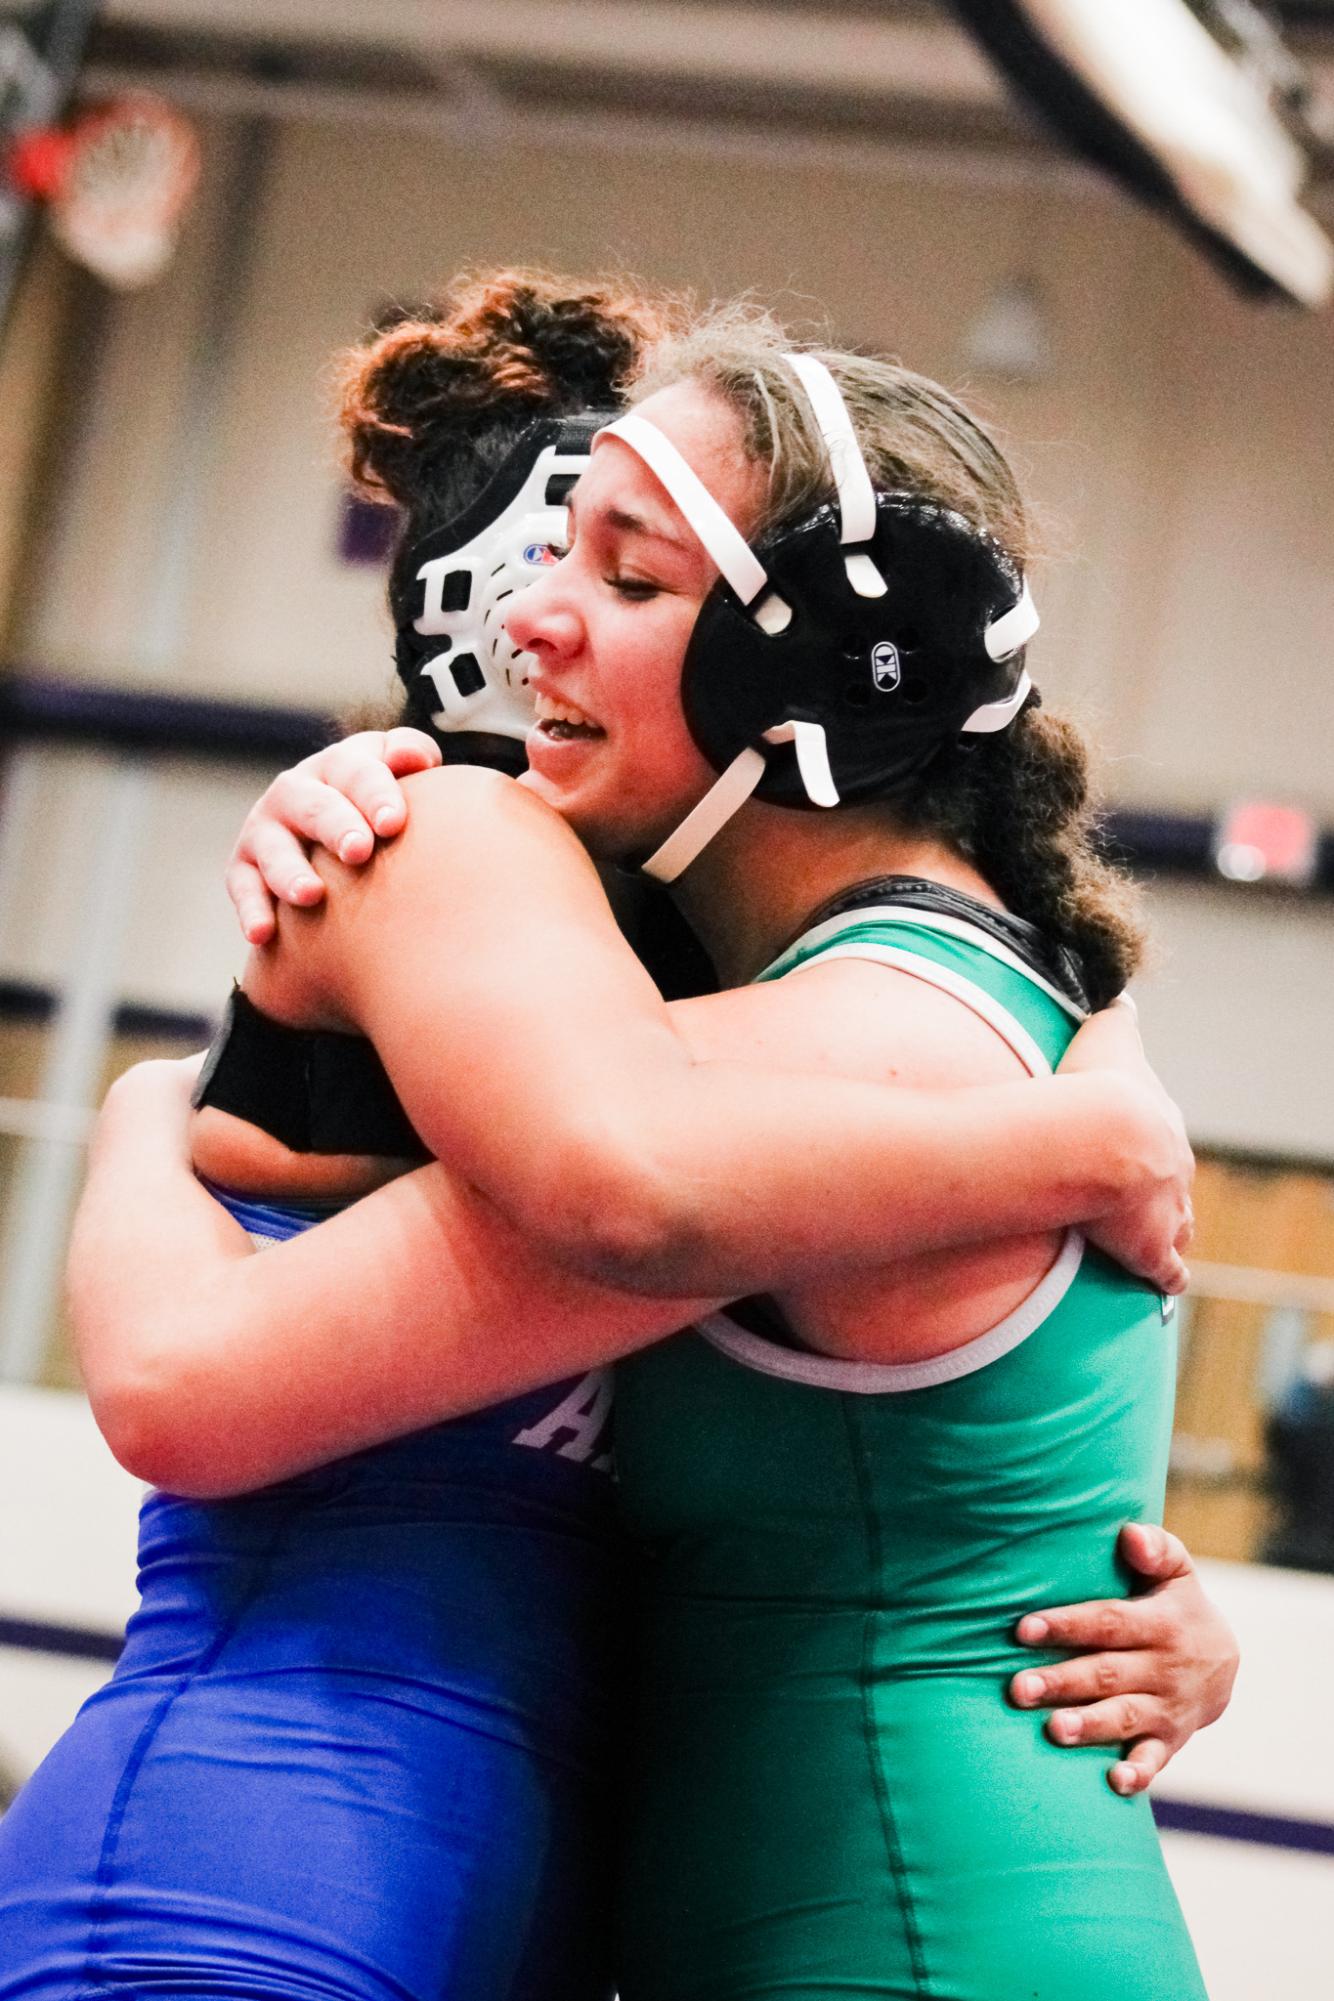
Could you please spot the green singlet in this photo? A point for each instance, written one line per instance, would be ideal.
(829, 1795)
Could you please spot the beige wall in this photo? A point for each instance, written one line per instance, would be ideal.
(1236, 1013)
(1180, 453)
(30, 372)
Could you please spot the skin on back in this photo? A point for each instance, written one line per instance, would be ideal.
(881, 1025)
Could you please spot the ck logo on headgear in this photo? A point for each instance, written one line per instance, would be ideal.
(885, 665)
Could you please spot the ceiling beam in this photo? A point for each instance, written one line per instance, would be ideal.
(780, 47)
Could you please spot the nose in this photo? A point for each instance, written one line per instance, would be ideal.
(542, 620)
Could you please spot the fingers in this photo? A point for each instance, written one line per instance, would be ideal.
(252, 903)
(1087, 1678)
(371, 805)
(1136, 1772)
(342, 799)
(1102, 1624)
(1153, 1552)
(1109, 1039)
(407, 750)
(1165, 1270)
(1148, 1238)
(1116, 1721)
(318, 808)
(1115, 1625)
(282, 862)
(1173, 1277)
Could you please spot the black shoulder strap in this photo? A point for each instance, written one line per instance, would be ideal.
(315, 1091)
(1054, 963)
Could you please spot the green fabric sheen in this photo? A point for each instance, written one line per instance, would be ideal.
(829, 1796)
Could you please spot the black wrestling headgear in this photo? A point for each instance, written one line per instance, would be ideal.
(830, 663)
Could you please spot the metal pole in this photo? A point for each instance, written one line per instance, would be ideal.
(36, 1225)
(32, 1246)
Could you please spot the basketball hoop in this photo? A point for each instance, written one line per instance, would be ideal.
(118, 182)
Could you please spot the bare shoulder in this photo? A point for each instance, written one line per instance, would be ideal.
(467, 828)
(851, 1018)
(458, 793)
(461, 788)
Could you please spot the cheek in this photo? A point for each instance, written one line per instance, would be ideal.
(645, 676)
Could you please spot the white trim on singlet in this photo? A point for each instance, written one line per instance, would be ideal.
(828, 1372)
(996, 1016)
(927, 920)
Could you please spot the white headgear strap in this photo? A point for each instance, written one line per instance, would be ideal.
(856, 493)
(715, 528)
(1014, 628)
(741, 567)
(724, 798)
(1004, 637)
(748, 577)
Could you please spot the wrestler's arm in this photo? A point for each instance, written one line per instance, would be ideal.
(538, 1061)
(1147, 1671)
(213, 1370)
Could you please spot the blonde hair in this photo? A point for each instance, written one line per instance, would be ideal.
(915, 436)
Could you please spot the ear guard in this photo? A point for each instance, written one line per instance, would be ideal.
(884, 680)
(470, 569)
(833, 661)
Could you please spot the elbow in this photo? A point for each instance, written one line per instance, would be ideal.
(130, 1416)
(129, 1411)
(155, 1430)
(612, 1210)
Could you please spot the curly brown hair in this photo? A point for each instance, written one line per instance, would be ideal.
(434, 401)
(458, 381)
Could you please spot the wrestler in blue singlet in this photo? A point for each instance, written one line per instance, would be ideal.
(357, 1744)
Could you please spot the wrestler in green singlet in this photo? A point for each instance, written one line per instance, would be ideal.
(831, 1798)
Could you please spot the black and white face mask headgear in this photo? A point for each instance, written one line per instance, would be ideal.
(831, 662)
(471, 569)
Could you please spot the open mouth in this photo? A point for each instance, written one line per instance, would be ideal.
(563, 723)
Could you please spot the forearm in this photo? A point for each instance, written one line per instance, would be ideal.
(538, 1062)
(750, 1180)
(150, 1252)
(213, 1370)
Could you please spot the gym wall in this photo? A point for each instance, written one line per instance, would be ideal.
(1177, 451)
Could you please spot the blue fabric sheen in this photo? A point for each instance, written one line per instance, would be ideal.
(359, 1743)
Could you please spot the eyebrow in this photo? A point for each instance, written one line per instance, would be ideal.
(635, 524)
(628, 523)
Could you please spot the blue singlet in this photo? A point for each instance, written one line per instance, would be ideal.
(358, 1746)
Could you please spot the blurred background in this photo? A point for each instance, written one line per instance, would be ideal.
(1106, 225)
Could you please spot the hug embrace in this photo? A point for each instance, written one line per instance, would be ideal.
(629, 1474)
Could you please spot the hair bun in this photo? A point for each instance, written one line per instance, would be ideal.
(505, 344)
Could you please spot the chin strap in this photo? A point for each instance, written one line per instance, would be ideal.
(724, 798)
(730, 792)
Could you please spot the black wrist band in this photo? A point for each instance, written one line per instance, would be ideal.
(312, 1089)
